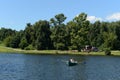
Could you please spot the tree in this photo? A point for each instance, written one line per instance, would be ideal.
(29, 33)
(42, 35)
(15, 41)
(59, 38)
(80, 18)
(95, 37)
(72, 30)
(23, 43)
(58, 30)
(7, 41)
(79, 31)
(109, 39)
(116, 26)
(58, 20)
(55, 34)
(4, 33)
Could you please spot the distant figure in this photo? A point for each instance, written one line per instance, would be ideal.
(88, 48)
(72, 62)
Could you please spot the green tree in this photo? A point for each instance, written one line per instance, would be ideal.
(55, 34)
(72, 30)
(58, 30)
(23, 43)
(15, 41)
(29, 33)
(42, 35)
(95, 37)
(79, 32)
(4, 33)
(7, 41)
(58, 19)
(116, 25)
(109, 39)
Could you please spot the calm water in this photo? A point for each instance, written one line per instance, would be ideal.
(54, 67)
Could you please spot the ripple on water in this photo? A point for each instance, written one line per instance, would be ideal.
(54, 67)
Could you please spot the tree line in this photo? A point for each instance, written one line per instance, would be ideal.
(57, 35)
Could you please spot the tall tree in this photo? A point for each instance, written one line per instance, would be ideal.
(42, 34)
(58, 19)
(109, 39)
(15, 41)
(58, 30)
(80, 38)
(94, 34)
(72, 30)
(29, 33)
(23, 43)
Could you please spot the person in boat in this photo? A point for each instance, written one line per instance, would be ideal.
(72, 62)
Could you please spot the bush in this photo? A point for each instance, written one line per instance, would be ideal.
(72, 47)
(15, 41)
(60, 46)
(7, 41)
(107, 51)
(23, 43)
(30, 47)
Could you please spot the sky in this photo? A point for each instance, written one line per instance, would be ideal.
(15, 14)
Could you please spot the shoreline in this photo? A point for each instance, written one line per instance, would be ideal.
(54, 52)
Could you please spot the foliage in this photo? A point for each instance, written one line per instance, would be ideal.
(72, 47)
(29, 33)
(42, 35)
(15, 41)
(4, 33)
(107, 51)
(23, 43)
(30, 47)
(7, 41)
(56, 34)
(78, 31)
(60, 46)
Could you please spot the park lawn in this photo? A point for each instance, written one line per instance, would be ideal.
(4, 49)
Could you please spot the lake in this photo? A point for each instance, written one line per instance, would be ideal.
(55, 67)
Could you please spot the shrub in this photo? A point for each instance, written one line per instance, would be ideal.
(7, 41)
(30, 47)
(72, 47)
(107, 51)
(60, 46)
(23, 43)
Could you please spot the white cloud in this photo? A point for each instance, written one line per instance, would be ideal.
(115, 16)
(93, 18)
(112, 17)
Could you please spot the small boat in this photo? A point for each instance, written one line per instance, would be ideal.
(72, 62)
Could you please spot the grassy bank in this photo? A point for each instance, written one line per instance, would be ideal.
(4, 49)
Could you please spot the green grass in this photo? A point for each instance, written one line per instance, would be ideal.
(4, 49)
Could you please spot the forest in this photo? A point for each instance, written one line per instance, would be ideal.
(55, 34)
